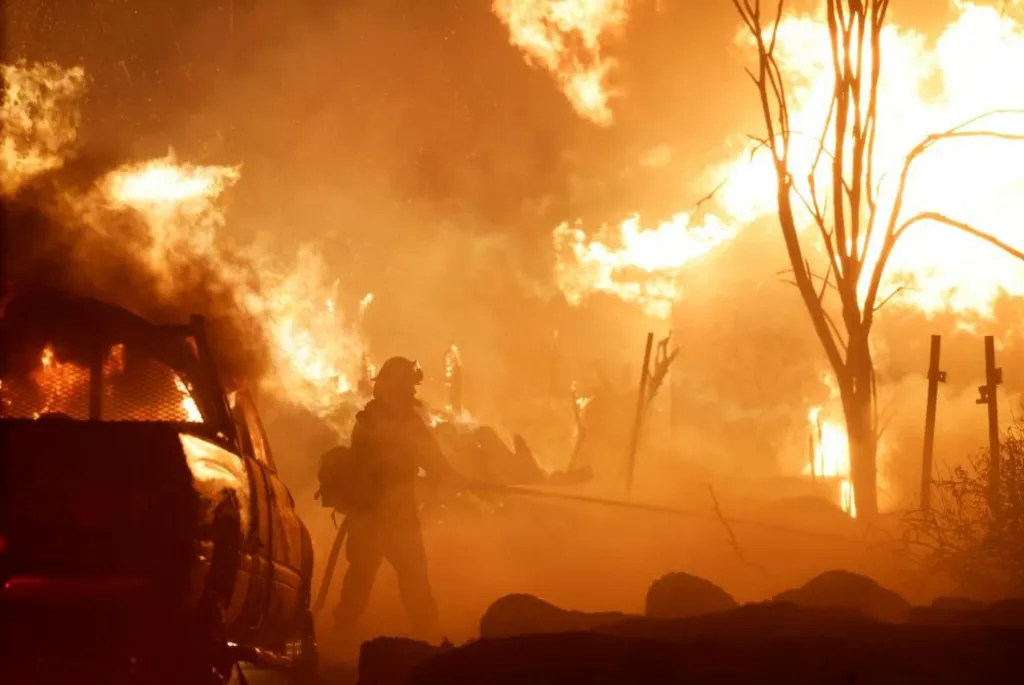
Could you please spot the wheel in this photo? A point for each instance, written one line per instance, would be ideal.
(307, 656)
(197, 649)
(307, 659)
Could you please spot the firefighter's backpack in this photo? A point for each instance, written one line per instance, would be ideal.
(343, 479)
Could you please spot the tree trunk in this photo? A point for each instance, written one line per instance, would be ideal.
(858, 410)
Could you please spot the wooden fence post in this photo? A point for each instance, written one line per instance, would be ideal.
(935, 376)
(993, 377)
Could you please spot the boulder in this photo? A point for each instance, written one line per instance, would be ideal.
(681, 595)
(1005, 612)
(957, 604)
(843, 589)
(948, 611)
(522, 614)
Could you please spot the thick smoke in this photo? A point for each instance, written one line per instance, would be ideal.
(52, 241)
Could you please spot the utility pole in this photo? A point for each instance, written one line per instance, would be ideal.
(993, 377)
(935, 376)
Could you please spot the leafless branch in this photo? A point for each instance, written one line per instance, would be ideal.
(966, 228)
(707, 198)
(733, 542)
(894, 293)
(895, 229)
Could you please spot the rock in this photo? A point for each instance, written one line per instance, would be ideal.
(747, 621)
(1005, 612)
(522, 614)
(681, 595)
(843, 589)
(948, 611)
(957, 604)
(391, 660)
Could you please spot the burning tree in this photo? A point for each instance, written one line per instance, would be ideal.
(834, 189)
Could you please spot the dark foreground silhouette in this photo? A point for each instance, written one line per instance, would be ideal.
(839, 628)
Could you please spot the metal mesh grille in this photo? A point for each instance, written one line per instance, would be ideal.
(51, 389)
(140, 388)
(134, 387)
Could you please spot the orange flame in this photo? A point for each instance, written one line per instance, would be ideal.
(188, 403)
(316, 355)
(924, 89)
(635, 264)
(452, 362)
(58, 382)
(38, 119)
(831, 459)
(565, 37)
(62, 382)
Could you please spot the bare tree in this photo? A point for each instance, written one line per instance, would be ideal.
(858, 239)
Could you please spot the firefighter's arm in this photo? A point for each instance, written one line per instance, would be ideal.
(360, 436)
(433, 461)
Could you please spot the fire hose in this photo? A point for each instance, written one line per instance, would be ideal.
(520, 491)
(339, 538)
(332, 561)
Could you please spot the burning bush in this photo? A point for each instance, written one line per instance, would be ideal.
(974, 533)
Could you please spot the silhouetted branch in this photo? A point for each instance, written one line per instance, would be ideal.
(894, 293)
(966, 228)
(733, 542)
(894, 229)
(662, 361)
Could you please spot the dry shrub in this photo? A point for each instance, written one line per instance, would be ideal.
(974, 540)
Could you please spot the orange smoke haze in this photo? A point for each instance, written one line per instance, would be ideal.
(445, 159)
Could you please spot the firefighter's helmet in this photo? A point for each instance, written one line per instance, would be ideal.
(398, 373)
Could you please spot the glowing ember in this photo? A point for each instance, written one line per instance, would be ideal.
(38, 119)
(635, 264)
(924, 89)
(565, 37)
